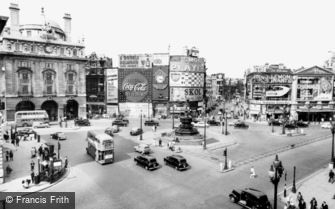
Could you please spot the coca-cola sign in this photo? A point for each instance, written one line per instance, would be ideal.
(135, 87)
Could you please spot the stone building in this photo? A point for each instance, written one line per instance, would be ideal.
(41, 68)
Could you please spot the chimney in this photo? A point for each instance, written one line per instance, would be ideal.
(14, 19)
(67, 26)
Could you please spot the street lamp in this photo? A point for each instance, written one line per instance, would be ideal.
(332, 160)
(141, 137)
(173, 117)
(294, 189)
(275, 173)
(225, 124)
(205, 131)
(273, 118)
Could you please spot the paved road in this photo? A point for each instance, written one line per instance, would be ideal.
(125, 185)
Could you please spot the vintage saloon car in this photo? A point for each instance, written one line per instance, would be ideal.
(250, 198)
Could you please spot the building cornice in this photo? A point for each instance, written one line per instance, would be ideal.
(18, 54)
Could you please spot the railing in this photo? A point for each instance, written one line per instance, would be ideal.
(48, 93)
(25, 94)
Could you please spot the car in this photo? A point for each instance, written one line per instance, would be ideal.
(200, 124)
(214, 123)
(291, 125)
(241, 124)
(148, 162)
(111, 130)
(25, 131)
(176, 161)
(59, 135)
(301, 124)
(250, 198)
(151, 123)
(235, 117)
(119, 122)
(136, 131)
(232, 123)
(142, 148)
(326, 125)
(274, 122)
(37, 124)
(82, 122)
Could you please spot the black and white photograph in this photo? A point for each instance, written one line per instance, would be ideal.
(155, 104)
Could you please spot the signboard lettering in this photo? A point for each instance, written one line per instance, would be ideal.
(135, 87)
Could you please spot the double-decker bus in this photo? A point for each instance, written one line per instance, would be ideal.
(100, 146)
(26, 118)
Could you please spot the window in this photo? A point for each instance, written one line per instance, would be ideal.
(33, 48)
(29, 33)
(9, 46)
(25, 89)
(61, 51)
(69, 67)
(49, 89)
(75, 52)
(70, 77)
(49, 65)
(17, 47)
(25, 77)
(70, 89)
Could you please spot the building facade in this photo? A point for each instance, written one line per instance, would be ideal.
(305, 94)
(42, 68)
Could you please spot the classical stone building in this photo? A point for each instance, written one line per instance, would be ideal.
(41, 68)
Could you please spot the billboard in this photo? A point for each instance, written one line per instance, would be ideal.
(112, 85)
(160, 83)
(187, 64)
(135, 85)
(160, 59)
(134, 109)
(319, 91)
(135, 61)
(184, 94)
(187, 79)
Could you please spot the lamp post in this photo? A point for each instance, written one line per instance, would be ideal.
(141, 137)
(275, 173)
(332, 160)
(205, 131)
(173, 117)
(294, 189)
(225, 124)
(273, 118)
(58, 147)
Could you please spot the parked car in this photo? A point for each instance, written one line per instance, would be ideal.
(119, 122)
(59, 135)
(151, 123)
(326, 125)
(274, 122)
(148, 162)
(301, 124)
(136, 131)
(82, 122)
(177, 161)
(214, 123)
(142, 148)
(25, 131)
(291, 125)
(200, 124)
(250, 198)
(241, 124)
(232, 123)
(38, 124)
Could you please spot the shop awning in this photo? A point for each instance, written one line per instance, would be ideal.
(315, 110)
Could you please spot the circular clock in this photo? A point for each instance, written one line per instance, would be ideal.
(48, 49)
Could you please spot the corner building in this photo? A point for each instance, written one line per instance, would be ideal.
(42, 68)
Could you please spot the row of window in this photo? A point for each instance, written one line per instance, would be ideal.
(34, 49)
(48, 65)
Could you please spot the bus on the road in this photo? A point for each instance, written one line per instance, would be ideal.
(26, 118)
(100, 146)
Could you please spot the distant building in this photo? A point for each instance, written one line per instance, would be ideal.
(42, 68)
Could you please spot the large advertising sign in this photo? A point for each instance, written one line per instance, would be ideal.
(160, 59)
(187, 64)
(160, 83)
(135, 85)
(187, 79)
(271, 78)
(135, 60)
(322, 90)
(112, 84)
(135, 109)
(184, 94)
(277, 91)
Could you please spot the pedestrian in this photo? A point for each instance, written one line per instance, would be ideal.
(40, 150)
(314, 203)
(155, 128)
(252, 172)
(17, 141)
(331, 176)
(66, 162)
(324, 205)
(32, 165)
(302, 204)
(7, 155)
(160, 142)
(32, 175)
(11, 155)
(299, 197)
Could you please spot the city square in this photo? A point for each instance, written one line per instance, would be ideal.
(157, 129)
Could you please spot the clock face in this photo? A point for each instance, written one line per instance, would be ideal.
(48, 49)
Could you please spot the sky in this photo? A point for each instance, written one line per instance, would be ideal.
(231, 35)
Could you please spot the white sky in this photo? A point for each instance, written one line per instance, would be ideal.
(232, 35)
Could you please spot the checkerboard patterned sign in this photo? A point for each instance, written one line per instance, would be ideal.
(186, 79)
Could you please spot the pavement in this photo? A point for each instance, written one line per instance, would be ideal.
(21, 169)
(315, 185)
